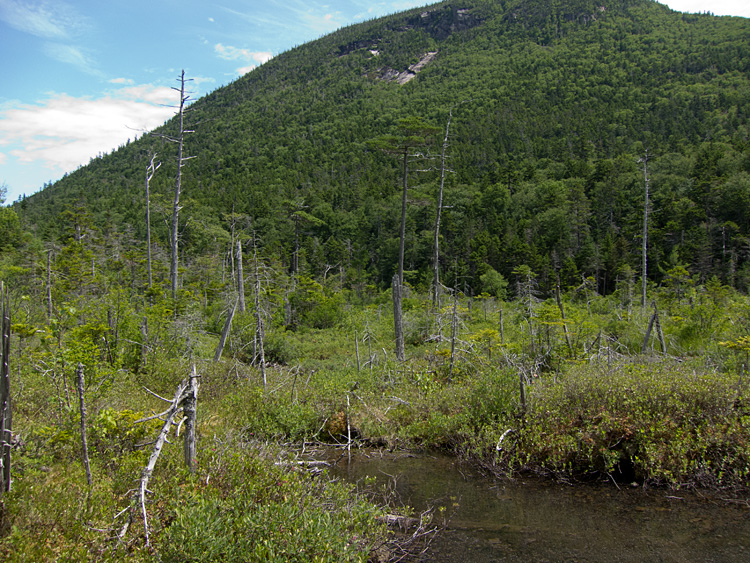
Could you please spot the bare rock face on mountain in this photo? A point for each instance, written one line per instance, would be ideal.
(443, 21)
(407, 75)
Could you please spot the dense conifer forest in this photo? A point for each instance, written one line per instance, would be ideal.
(554, 107)
(574, 145)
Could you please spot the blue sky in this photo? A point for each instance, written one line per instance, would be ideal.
(81, 77)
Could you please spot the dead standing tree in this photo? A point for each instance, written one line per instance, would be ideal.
(82, 411)
(240, 278)
(181, 160)
(259, 329)
(436, 243)
(150, 171)
(6, 417)
(413, 132)
(644, 266)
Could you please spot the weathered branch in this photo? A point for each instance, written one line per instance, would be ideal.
(185, 398)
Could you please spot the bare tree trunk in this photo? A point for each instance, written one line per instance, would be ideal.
(150, 171)
(295, 257)
(144, 341)
(402, 230)
(240, 278)
(502, 326)
(225, 332)
(562, 316)
(398, 322)
(659, 332)
(259, 314)
(648, 335)
(6, 415)
(82, 405)
(49, 284)
(398, 280)
(644, 267)
(190, 412)
(231, 245)
(178, 188)
(654, 321)
(356, 347)
(369, 349)
(436, 244)
(454, 328)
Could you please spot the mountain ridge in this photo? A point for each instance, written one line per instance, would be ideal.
(564, 93)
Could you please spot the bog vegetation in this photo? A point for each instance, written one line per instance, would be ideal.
(587, 316)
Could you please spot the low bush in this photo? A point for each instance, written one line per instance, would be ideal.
(656, 421)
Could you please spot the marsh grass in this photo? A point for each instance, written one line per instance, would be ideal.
(595, 409)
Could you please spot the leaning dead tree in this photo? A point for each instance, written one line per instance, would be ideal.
(654, 322)
(6, 417)
(185, 399)
(225, 331)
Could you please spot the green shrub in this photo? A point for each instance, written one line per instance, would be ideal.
(256, 510)
(656, 421)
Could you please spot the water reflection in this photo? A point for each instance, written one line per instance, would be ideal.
(530, 520)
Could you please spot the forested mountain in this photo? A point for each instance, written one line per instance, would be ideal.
(547, 123)
(555, 105)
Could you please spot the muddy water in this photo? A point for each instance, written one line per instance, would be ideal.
(532, 520)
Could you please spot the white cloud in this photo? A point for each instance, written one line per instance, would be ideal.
(121, 81)
(51, 20)
(229, 53)
(202, 79)
(63, 132)
(716, 7)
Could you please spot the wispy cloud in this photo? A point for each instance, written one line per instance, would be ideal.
(72, 55)
(321, 23)
(59, 23)
(50, 20)
(63, 132)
